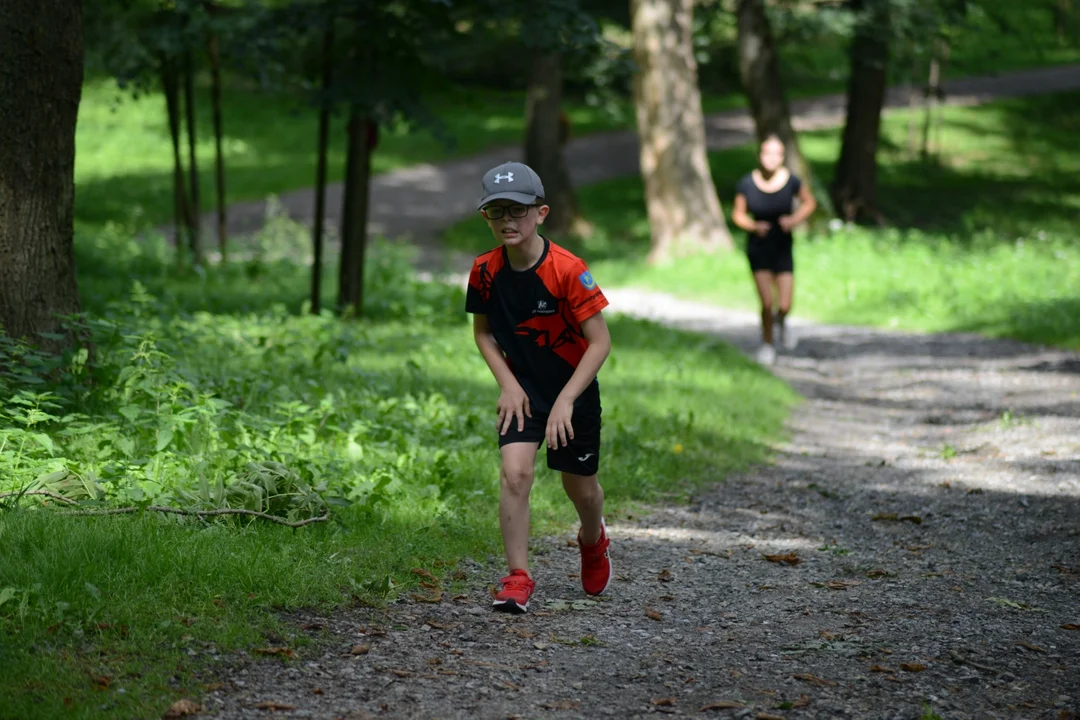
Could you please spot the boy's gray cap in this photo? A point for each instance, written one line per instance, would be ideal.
(511, 181)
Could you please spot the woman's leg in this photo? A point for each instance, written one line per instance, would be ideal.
(764, 279)
(785, 285)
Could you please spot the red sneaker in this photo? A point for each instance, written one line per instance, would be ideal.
(595, 563)
(513, 596)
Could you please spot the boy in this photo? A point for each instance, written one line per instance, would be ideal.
(538, 325)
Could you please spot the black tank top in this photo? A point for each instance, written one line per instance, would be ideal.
(770, 207)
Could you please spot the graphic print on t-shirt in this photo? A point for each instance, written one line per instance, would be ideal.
(536, 315)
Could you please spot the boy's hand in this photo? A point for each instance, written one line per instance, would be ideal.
(513, 402)
(559, 428)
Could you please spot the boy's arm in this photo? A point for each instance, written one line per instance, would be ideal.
(513, 402)
(560, 428)
(596, 332)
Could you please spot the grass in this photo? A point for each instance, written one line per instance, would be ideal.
(214, 390)
(983, 236)
(123, 166)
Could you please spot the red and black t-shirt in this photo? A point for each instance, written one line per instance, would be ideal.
(536, 315)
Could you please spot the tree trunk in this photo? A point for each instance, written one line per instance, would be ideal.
(219, 134)
(544, 140)
(934, 96)
(854, 190)
(320, 171)
(194, 226)
(759, 66)
(913, 101)
(170, 84)
(355, 215)
(684, 210)
(41, 75)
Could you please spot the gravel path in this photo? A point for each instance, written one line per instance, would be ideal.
(926, 519)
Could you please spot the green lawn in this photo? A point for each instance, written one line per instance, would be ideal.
(983, 239)
(214, 391)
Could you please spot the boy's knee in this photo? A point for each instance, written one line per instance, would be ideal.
(517, 479)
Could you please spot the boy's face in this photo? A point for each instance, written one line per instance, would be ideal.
(513, 223)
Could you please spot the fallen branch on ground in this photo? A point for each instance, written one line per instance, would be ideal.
(171, 510)
(47, 493)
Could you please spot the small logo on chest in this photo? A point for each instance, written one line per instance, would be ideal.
(546, 307)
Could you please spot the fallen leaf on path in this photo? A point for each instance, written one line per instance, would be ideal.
(722, 705)
(665, 576)
(876, 573)
(653, 614)
(313, 626)
(428, 585)
(768, 716)
(521, 632)
(440, 625)
(283, 651)
(912, 667)
(664, 702)
(401, 673)
(1004, 602)
(102, 681)
(814, 679)
(426, 575)
(1071, 626)
(561, 705)
(837, 584)
(784, 559)
(803, 701)
(917, 520)
(881, 668)
(360, 650)
(183, 708)
(1065, 570)
(274, 705)
(434, 598)
(317, 691)
(1029, 646)
(825, 634)
(460, 575)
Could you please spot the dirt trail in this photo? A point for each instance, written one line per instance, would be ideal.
(930, 496)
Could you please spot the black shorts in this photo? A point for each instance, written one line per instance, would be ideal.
(772, 254)
(581, 456)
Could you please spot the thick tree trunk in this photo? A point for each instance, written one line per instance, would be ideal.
(170, 84)
(355, 215)
(194, 226)
(684, 210)
(214, 51)
(41, 74)
(544, 139)
(759, 66)
(854, 189)
(320, 172)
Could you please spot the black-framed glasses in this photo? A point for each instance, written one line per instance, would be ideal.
(496, 212)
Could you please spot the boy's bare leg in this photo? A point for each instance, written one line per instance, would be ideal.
(588, 497)
(515, 482)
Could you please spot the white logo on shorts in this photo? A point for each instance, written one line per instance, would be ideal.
(508, 177)
(587, 456)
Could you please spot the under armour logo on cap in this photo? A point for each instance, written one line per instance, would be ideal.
(511, 181)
